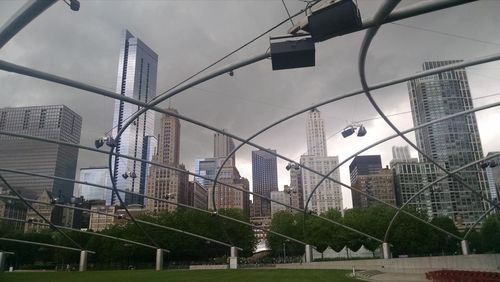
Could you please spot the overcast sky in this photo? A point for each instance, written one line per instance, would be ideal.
(189, 35)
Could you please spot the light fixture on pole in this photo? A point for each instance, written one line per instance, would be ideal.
(130, 174)
(329, 18)
(292, 51)
(349, 130)
(108, 140)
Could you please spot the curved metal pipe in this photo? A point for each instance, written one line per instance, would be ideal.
(386, 237)
(88, 233)
(153, 198)
(15, 192)
(477, 221)
(138, 220)
(23, 17)
(365, 45)
(179, 170)
(44, 245)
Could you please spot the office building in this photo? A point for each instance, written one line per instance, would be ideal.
(199, 195)
(56, 122)
(379, 185)
(329, 194)
(163, 182)
(364, 165)
(265, 180)
(137, 71)
(452, 143)
(288, 197)
(95, 175)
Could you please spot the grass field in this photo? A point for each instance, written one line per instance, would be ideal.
(259, 275)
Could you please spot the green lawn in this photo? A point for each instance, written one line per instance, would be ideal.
(259, 275)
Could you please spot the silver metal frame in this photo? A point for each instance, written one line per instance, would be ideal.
(44, 245)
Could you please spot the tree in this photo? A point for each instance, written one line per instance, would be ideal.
(439, 242)
(490, 234)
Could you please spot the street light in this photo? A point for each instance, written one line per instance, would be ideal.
(295, 166)
(491, 164)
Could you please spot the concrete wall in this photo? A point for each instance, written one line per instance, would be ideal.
(489, 262)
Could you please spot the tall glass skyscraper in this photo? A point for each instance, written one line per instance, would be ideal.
(55, 122)
(452, 143)
(265, 180)
(137, 70)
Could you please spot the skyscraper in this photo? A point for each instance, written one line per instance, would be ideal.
(225, 196)
(163, 182)
(452, 143)
(364, 165)
(493, 174)
(379, 184)
(315, 133)
(56, 122)
(137, 69)
(329, 194)
(265, 180)
(223, 146)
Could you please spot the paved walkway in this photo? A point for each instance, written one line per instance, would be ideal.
(390, 276)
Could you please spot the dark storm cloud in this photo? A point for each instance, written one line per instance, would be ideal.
(189, 35)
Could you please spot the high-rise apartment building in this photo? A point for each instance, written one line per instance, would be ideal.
(137, 70)
(95, 175)
(288, 196)
(452, 143)
(52, 122)
(329, 194)
(265, 180)
(163, 182)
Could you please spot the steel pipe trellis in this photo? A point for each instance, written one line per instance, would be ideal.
(387, 7)
(154, 198)
(449, 3)
(38, 213)
(43, 245)
(88, 233)
(138, 220)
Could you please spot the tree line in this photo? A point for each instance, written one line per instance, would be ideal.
(408, 237)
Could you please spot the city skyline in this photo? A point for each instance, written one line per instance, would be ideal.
(290, 141)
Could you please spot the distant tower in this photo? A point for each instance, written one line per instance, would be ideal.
(136, 79)
(315, 133)
(265, 180)
(452, 143)
(223, 146)
(329, 194)
(163, 182)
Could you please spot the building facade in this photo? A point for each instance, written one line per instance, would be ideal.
(167, 183)
(200, 195)
(95, 175)
(493, 174)
(379, 185)
(452, 143)
(137, 71)
(264, 180)
(364, 165)
(52, 122)
(329, 194)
